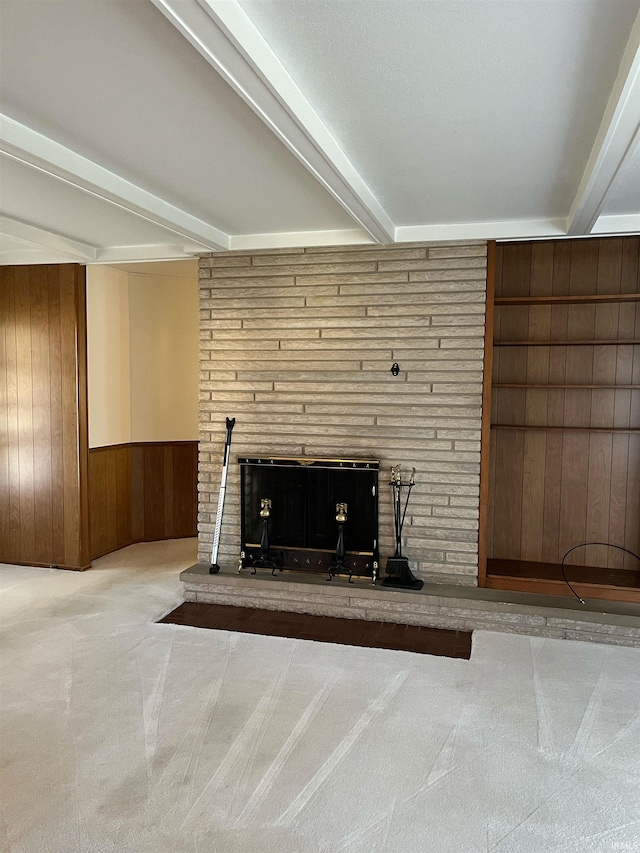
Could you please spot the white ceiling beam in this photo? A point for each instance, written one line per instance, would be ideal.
(511, 229)
(226, 37)
(148, 252)
(16, 258)
(623, 223)
(617, 138)
(26, 145)
(46, 240)
(295, 239)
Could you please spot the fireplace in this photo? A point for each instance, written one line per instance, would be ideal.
(310, 515)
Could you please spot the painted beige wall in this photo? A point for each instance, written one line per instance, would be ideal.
(142, 338)
(163, 317)
(108, 356)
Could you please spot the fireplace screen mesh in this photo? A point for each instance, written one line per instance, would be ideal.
(302, 514)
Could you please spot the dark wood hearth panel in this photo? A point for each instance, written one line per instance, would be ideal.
(323, 629)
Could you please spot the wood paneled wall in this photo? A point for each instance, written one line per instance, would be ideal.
(573, 474)
(142, 492)
(43, 416)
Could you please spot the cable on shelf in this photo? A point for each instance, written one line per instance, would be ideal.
(585, 545)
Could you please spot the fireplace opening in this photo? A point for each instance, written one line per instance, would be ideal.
(310, 515)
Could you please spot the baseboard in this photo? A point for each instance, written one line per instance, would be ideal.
(46, 565)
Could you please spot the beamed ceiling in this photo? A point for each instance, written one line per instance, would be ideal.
(157, 129)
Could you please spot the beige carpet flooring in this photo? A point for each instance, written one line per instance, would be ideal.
(119, 735)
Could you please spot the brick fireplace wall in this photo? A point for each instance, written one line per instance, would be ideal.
(297, 345)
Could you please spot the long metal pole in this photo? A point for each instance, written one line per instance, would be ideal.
(214, 568)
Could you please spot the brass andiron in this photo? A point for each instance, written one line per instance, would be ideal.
(338, 567)
(399, 574)
(265, 561)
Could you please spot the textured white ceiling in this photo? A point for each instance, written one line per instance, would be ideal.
(456, 111)
(463, 118)
(32, 196)
(115, 82)
(624, 196)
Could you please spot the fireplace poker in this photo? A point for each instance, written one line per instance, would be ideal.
(214, 568)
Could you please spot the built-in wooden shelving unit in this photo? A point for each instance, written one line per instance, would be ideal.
(564, 460)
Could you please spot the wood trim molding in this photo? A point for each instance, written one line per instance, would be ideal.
(83, 414)
(141, 444)
(485, 433)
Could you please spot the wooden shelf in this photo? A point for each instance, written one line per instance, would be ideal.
(563, 387)
(592, 343)
(546, 579)
(566, 428)
(567, 300)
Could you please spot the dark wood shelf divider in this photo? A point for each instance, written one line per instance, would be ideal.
(546, 579)
(545, 428)
(567, 300)
(590, 343)
(565, 387)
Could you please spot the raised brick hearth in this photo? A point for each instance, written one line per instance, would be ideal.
(455, 607)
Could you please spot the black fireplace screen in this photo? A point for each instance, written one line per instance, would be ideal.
(302, 527)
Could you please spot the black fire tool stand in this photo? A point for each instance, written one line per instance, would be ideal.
(399, 575)
(338, 567)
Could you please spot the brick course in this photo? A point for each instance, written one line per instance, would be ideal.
(298, 346)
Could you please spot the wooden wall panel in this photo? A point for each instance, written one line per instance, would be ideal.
(142, 492)
(43, 460)
(185, 484)
(574, 473)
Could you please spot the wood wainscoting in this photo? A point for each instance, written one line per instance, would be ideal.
(142, 492)
(44, 506)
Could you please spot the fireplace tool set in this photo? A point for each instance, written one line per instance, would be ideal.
(399, 574)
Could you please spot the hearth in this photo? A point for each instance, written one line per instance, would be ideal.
(310, 515)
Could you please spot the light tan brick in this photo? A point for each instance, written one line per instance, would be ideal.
(296, 268)
(450, 275)
(230, 294)
(436, 263)
(333, 256)
(224, 261)
(317, 372)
